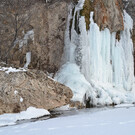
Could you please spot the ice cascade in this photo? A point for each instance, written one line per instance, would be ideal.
(96, 66)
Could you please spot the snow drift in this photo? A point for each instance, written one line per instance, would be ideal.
(31, 112)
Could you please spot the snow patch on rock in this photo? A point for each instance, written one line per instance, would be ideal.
(11, 69)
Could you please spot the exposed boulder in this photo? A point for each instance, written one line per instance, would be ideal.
(20, 90)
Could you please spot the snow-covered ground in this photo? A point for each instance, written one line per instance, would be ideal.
(117, 121)
(31, 112)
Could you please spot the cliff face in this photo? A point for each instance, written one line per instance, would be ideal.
(40, 31)
(41, 26)
(32, 36)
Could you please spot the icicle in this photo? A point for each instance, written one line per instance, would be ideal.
(95, 64)
(28, 59)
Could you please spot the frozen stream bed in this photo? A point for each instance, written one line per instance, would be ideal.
(119, 120)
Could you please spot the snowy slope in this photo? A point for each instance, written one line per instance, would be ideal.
(118, 121)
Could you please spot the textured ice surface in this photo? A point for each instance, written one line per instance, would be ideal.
(95, 64)
(70, 76)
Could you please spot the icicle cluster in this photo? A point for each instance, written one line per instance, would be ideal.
(96, 66)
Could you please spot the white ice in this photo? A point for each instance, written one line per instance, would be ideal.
(28, 59)
(70, 76)
(96, 65)
(124, 105)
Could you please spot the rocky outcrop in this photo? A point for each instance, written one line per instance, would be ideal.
(108, 13)
(20, 90)
(41, 33)
(43, 27)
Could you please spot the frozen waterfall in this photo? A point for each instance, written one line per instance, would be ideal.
(95, 64)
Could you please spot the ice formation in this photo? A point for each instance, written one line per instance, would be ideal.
(96, 66)
(28, 59)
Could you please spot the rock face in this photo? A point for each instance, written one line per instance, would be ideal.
(42, 34)
(108, 13)
(20, 90)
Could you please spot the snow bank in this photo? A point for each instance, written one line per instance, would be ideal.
(96, 66)
(31, 112)
(124, 105)
(118, 121)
